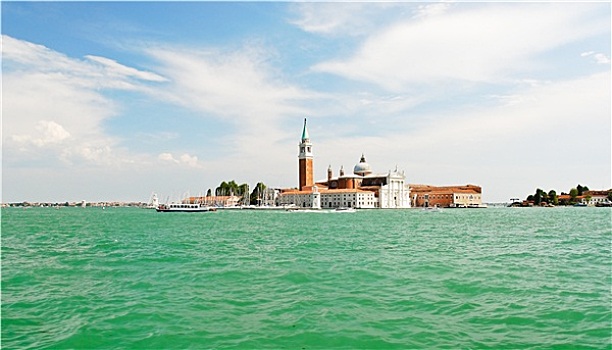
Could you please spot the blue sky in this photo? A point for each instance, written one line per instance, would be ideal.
(115, 100)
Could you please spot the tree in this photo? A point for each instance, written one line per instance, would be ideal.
(539, 197)
(573, 194)
(220, 191)
(545, 198)
(243, 189)
(209, 193)
(552, 197)
(244, 194)
(581, 189)
(231, 189)
(610, 196)
(257, 193)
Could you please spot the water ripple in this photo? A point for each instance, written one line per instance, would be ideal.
(127, 278)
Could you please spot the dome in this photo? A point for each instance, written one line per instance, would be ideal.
(362, 168)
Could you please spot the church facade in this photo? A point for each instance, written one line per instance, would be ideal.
(361, 189)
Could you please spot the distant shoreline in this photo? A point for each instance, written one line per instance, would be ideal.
(74, 204)
(118, 204)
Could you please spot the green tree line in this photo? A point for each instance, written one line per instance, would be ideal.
(231, 188)
(551, 197)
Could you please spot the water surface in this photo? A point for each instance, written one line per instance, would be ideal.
(498, 278)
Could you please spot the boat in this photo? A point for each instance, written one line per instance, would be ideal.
(184, 207)
(153, 202)
(345, 210)
(482, 205)
(431, 209)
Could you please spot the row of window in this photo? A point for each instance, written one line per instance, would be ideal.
(441, 196)
(446, 196)
(346, 204)
(466, 197)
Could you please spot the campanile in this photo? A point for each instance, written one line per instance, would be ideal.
(305, 160)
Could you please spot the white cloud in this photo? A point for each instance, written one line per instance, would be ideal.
(189, 160)
(97, 155)
(184, 159)
(600, 58)
(48, 132)
(432, 9)
(54, 108)
(230, 84)
(167, 157)
(93, 73)
(115, 69)
(239, 88)
(51, 110)
(338, 18)
(480, 44)
(546, 135)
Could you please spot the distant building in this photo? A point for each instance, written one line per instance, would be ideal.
(468, 196)
(594, 198)
(361, 189)
(590, 198)
(215, 201)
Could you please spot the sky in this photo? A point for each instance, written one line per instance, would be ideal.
(106, 101)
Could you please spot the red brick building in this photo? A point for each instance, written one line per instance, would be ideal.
(468, 196)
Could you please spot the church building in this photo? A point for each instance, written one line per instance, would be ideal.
(361, 189)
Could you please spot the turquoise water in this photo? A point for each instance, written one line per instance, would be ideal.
(498, 278)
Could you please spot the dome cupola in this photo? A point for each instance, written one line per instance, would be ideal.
(362, 168)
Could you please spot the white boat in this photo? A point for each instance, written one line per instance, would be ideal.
(184, 207)
(153, 202)
(345, 210)
(431, 209)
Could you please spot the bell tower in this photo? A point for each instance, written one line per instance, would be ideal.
(305, 160)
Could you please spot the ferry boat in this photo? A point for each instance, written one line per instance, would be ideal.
(184, 207)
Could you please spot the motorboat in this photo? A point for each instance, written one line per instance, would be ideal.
(345, 210)
(153, 202)
(431, 209)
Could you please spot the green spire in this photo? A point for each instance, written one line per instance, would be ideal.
(305, 136)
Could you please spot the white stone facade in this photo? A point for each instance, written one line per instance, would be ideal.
(302, 199)
(396, 193)
(348, 199)
(467, 199)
